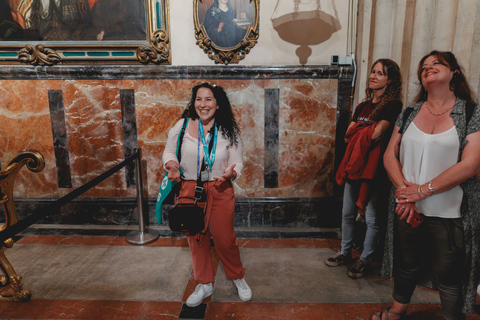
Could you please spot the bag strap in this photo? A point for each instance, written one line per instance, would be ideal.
(405, 115)
(180, 140)
(199, 190)
(469, 109)
(210, 147)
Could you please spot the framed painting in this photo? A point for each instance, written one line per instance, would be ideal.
(51, 32)
(226, 30)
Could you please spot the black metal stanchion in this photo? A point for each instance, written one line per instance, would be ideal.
(142, 236)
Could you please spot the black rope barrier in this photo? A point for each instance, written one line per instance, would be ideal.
(40, 213)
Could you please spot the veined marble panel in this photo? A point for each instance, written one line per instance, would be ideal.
(94, 132)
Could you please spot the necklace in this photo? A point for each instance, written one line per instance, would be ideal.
(438, 114)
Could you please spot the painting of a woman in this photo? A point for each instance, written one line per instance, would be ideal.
(221, 24)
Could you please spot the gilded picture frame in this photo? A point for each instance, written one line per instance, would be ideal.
(124, 32)
(226, 30)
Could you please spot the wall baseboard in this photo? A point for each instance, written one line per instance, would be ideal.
(262, 215)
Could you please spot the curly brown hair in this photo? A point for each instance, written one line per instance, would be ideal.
(393, 89)
(223, 116)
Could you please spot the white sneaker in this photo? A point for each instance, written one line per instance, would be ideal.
(244, 291)
(201, 292)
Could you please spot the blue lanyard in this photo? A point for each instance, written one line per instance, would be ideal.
(209, 159)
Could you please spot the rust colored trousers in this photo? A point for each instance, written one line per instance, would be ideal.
(219, 226)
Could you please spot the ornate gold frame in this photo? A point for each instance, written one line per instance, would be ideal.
(154, 49)
(11, 286)
(223, 54)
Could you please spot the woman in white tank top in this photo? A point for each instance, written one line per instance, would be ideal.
(433, 159)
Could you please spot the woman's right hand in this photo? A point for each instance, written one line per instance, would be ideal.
(220, 26)
(173, 171)
(406, 211)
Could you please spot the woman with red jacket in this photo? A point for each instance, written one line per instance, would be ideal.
(367, 137)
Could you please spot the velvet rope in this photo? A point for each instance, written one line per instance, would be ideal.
(40, 213)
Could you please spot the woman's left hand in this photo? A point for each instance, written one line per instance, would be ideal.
(227, 176)
(408, 193)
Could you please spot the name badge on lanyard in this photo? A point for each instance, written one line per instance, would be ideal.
(209, 158)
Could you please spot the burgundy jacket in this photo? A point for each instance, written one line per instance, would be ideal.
(362, 155)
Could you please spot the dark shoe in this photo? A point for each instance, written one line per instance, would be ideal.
(336, 260)
(385, 312)
(358, 269)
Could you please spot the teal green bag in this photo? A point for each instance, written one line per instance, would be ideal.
(166, 186)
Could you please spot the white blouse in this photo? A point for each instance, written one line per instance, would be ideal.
(425, 156)
(226, 154)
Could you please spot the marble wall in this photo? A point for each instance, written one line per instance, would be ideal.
(83, 127)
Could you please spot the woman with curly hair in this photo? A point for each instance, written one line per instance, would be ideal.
(433, 160)
(361, 168)
(211, 153)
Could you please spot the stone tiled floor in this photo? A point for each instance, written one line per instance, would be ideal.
(100, 277)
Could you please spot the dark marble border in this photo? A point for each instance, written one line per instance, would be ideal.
(174, 72)
(60, 141)
(344, 93)
(249, 212)
(129, 130)
(271, 138)
(265, 233)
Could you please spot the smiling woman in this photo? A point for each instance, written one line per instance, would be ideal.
(211, 160)
(206, 106)
(435, 176)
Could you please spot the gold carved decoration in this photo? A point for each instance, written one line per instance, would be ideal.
(230, 52)
(11, 287)
(158, 51)
(38, 55)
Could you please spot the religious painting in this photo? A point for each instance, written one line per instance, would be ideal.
(48, 32)
(226, 29)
